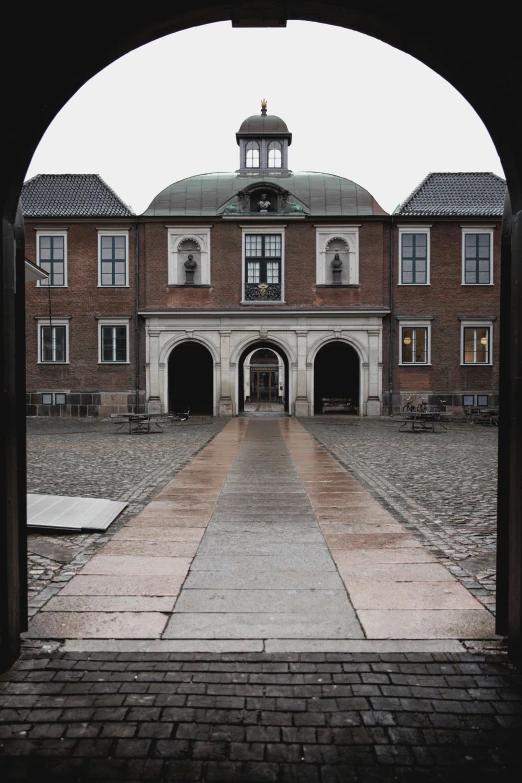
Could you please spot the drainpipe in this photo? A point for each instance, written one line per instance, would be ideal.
(136, 308)
(390, 341)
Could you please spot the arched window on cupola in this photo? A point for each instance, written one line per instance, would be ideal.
(252, 155)
(274, 155)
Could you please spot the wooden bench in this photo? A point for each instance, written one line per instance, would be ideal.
(338, 405)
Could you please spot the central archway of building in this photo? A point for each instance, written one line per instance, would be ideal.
(337, 379)
(191, 380)
(268, 384)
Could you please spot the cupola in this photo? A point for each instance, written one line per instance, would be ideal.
(263, 143)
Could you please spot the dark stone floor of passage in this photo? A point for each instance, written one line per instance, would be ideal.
(259, 718)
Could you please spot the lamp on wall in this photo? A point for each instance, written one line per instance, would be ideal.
(484, 340)
(407, 340)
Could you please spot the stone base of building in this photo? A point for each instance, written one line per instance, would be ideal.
(82, 404)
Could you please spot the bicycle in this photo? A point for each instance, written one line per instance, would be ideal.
(179, 416)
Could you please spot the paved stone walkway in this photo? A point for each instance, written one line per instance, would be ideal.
(442, 485)
(264, 539)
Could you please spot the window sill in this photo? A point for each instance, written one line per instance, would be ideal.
(190, 285)
(475, 285)
(476, 364)
(53, 364)
(415, 364)
(266, 302)
(337, 285)
(111, 364)
(414, 285)
(52, 286)
(113, 286)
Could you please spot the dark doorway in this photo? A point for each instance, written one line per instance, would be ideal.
(265, 380)
(336, 379)
(191, 382)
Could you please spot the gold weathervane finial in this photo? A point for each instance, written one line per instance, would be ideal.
(263, 104)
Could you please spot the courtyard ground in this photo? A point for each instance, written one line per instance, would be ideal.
(326, 563)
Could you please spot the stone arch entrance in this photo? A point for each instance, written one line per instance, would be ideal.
(337, 379)
(191, 379)
(263, 376)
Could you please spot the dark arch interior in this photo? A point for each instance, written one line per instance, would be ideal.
(256, 347)
(336, 375)
(191, 381)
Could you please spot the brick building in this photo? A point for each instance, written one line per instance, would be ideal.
(262, 286)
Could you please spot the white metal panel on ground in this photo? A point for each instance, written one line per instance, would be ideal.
(65, 513)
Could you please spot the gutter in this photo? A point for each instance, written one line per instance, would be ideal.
(390, 341)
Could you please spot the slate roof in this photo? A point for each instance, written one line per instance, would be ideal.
(320, 194)
(456, 193)
(71, 195)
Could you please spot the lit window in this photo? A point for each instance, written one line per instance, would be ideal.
(114, 343)
(51, 258)
(113, 260)
(274, 155)
(53, 343)
(252, 155)
(476, 343)
(414, 258)
(477, 258)
(414, 345)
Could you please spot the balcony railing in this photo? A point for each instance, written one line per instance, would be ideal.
(263, 292)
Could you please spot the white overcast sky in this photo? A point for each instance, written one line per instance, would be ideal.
(356, 107)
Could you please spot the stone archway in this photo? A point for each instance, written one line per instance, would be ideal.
(265, 347)
(490, 84)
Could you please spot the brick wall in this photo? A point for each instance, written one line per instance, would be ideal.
(91, 387)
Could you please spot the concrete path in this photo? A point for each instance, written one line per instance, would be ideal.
(264, 542)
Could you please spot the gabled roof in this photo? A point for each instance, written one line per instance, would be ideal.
(456, 193)
(71, 195)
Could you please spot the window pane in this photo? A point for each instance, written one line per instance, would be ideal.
(106, 253)
(59, 338)
(45, 242)
(254, 245)
(119, 242)
(253, 272)
(59, 399)
(272, 272)
(106, 343)
(469, 345)
(421, 242)
(106, 279)
(482, 399)
(420, 277)
(468, 400)
(47, 344)
(407, 277)
(484, 278)
(119, 279)
(274, 155)
(407, 345)
(482, 345)
(273, 246)
(121, 343)
(421, 345)
(106, 243)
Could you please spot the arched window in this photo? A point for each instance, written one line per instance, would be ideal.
(274, 155)
(252, 155)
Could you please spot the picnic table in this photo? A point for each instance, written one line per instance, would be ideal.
(424, 420)
(477, 415)
(139, 422)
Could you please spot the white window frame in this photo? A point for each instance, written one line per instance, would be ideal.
(323, 235)
(53, 322)
(415, 230)
(410, 323)
(39, 233)
(476, 324)
(176, 235)
(477, 230)
(112, 322)
(106, 232)
(254, 229)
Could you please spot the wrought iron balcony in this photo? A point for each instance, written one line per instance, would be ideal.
(263, 292)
